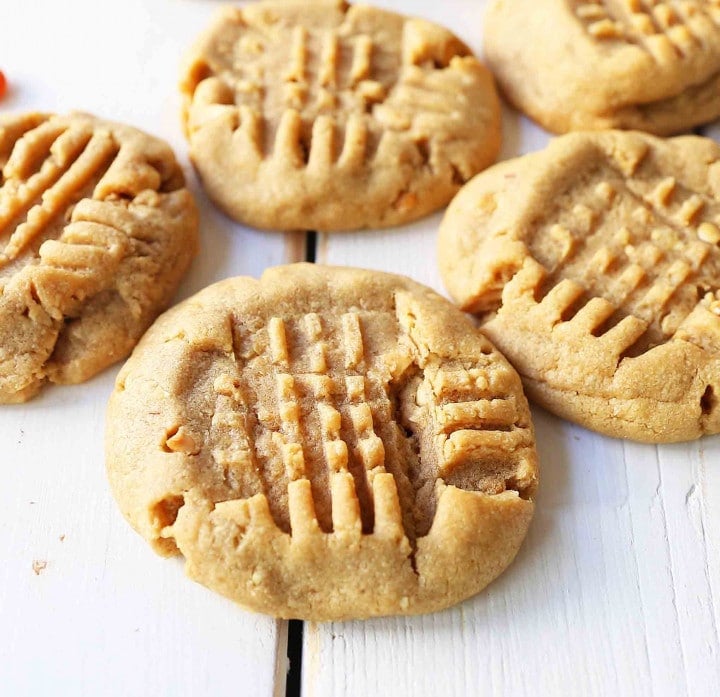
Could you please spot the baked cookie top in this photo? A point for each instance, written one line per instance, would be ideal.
(331, 116)
(96, 230)
(324, 443)
(595, 268)
(635, 64)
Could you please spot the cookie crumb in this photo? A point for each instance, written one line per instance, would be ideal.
(38, 566)
(709, 233)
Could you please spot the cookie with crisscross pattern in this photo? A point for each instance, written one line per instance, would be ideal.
(331, 116)
(595, 267)
(324, 443)
(96, 231)
(650, 65)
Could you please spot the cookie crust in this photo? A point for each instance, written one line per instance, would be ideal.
(594, 266)
(631, 65)
(330, 116)
(96, 231)
(325, 444)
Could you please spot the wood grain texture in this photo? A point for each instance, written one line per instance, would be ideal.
(86, 608)
(617, 587)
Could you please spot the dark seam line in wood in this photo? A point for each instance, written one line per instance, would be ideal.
(294, 652)
(293, 683)
(311, 246)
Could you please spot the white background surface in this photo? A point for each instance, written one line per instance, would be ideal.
(615, 592)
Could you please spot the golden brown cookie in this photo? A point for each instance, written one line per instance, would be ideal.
(597, 64)
(331, 116)
(96, 231)
(595, 268)
(324, 443)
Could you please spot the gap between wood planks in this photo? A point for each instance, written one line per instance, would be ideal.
(293, 680)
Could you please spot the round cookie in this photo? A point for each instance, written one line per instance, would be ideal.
(325, 444)
(330, 116)
(96, 231)
(594, 266)
(632, 64)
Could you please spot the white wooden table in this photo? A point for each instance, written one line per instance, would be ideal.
(615, 592)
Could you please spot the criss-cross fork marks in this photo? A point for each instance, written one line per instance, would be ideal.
(472, 418)
(60, 210)
(80, 204)
(307, 421)
(46, 173)
(665, 29)
(344, 61)
(336, 91)
(647, 256)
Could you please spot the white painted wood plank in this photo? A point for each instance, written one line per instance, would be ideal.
(104, 615)
(101, 614)
(685, 494)
(616, 590)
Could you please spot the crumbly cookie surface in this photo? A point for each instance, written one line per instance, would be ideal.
(96, 231)
(324, 443)
(330, 116)
(631, 64)
(595, 267)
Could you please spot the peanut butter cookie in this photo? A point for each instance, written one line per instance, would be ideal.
(597, 64)
(330, 116)
(96, 231)
(594, 266)
(324, 443)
